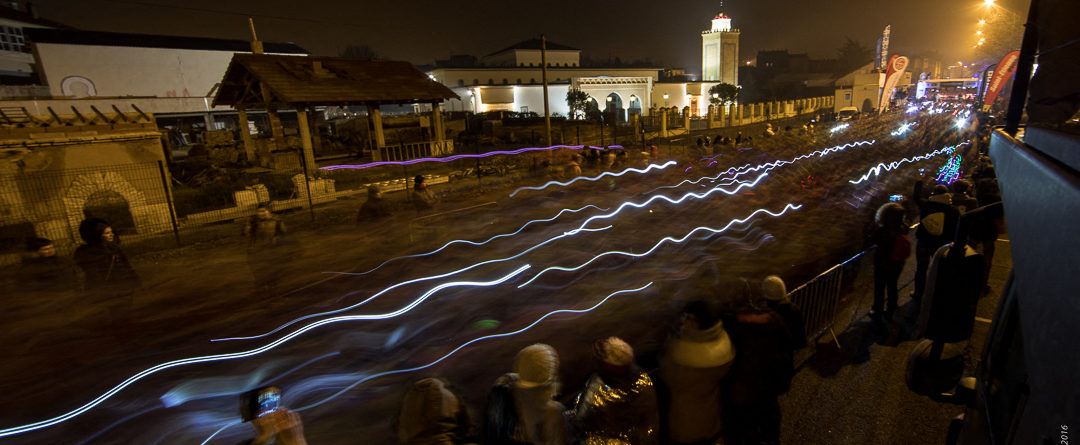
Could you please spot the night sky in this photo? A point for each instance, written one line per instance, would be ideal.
(667, 32)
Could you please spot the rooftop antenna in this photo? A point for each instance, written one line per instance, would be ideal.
(256, 45)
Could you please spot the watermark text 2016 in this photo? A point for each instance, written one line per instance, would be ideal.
(1064, 435)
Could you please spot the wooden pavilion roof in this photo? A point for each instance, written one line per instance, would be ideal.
(257, 81)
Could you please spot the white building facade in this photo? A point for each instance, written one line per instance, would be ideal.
(720, 52)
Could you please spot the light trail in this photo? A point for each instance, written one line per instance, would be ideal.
(474, 243)
(839, 128)
(464, 156)
(903, 129)
(595, 178)
(876, 170)
(662, 242)
(673, 201)
(403, 283)
(181, 400)
(449, 354)
(244, 354)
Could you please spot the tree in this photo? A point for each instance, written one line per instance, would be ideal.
(853, 55)
(1003, 31)
(576, 99)
(723, 94)
(358, 51)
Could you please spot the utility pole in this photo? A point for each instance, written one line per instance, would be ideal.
(543, 78)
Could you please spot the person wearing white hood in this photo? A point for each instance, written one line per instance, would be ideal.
(697, 358)
(522, 408)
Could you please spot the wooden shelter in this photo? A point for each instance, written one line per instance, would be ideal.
(277, 82)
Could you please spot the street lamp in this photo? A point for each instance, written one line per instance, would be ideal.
(614, 121)
(988, 3)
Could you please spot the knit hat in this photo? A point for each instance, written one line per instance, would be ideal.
(773, 288)
(536, 365)
(939, 189)
(614, 351)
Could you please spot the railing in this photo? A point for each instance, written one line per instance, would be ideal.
(414, 150)
(819, 299)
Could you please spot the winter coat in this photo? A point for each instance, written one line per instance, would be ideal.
(621, 411)
(964, 203)
(373, 209)
(885, 239)
(264, 233)
(793, 319)
(937, 220)
(693, 367)
(765, 364)
(431, 414)
(540, 419)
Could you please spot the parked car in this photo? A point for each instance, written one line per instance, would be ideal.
(847, 114)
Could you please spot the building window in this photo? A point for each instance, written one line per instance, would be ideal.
(521, 64)
(491, 81)
(519, 81)
(461, 82)
(505, 81)
(847, 97)
(533, 80)
(476, 81)
(11, 39)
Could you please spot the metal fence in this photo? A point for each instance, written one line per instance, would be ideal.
(134, 198)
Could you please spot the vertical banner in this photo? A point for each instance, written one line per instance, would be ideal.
(883, 50)
(897, 66)
(1002, 74)
(877, 55)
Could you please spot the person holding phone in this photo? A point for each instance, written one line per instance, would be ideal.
(271, 420)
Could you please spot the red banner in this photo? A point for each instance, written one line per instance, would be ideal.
(897, 66)
(1002, 74)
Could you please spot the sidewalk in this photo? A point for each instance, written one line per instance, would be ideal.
(857, 394)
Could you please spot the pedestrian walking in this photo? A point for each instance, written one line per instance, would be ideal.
(265, 253)
(893, 247)
(432, 413)
(619, 402)
(108, 277)
(423, 198)
(521, 406)
(695, 362)
(375, 208)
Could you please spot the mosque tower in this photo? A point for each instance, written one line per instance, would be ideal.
(720, 52)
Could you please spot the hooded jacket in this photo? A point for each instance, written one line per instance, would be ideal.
(431, 414)
(692, 368)
(937, 220)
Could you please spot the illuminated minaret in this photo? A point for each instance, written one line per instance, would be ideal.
(720, 52)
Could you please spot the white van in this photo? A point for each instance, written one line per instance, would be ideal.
(847, 113)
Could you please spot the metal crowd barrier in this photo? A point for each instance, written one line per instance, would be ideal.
(819, 300)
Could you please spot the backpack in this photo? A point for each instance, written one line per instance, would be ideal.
(901, 248)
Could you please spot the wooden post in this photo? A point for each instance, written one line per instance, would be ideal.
(305, 142)
(276, 128)
(663, 122)
(245, 136)
(376, 121)
(437, 130)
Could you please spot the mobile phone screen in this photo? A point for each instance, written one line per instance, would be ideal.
(268, 401)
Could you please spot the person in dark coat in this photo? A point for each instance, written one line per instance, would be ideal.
(762, 372)
(937, 226)
(375, 208)
(266, 255)
(695, 362)
(893, 249)
(776, 298)
(962, 197)
(42, 272)
(619, 404)
(109, 279)
(106, 269)
(423, 198)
